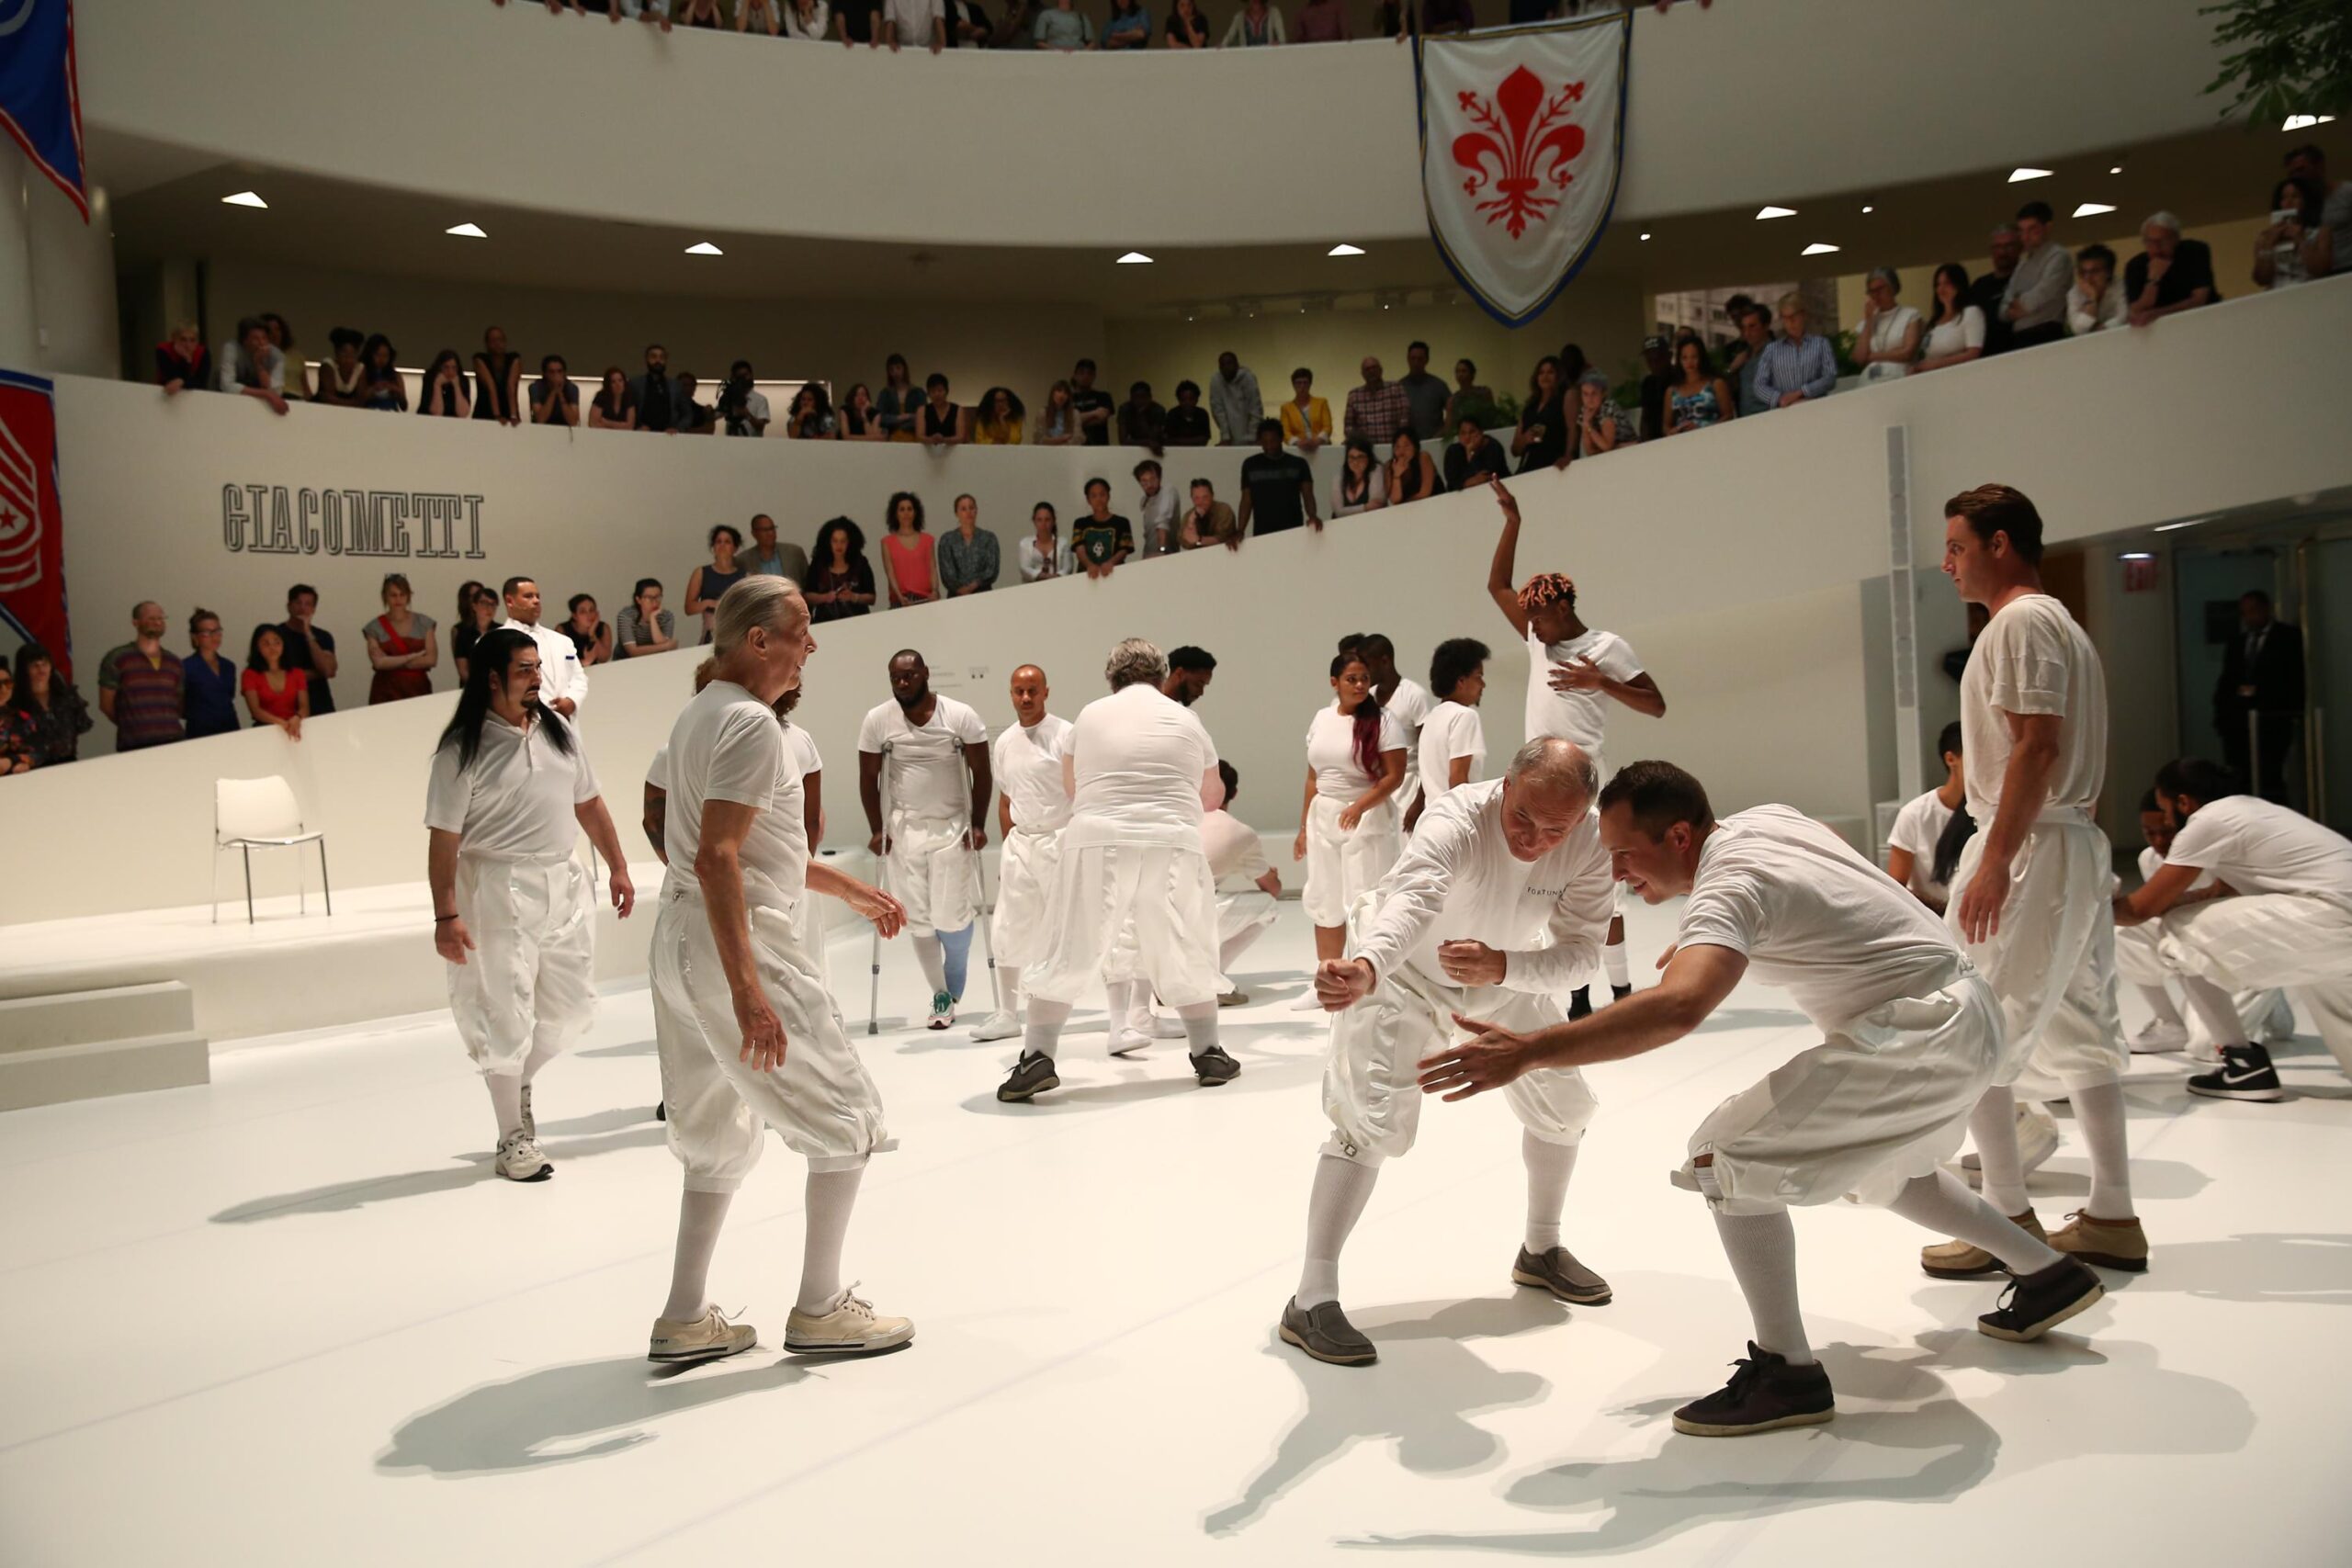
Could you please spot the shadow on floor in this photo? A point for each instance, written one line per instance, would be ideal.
(563, 1414)
(2303, 1266)
(341, 1197)
(633, 1048)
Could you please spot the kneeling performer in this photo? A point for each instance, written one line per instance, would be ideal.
(1498, 906)
(1141, 771)
(1911, 1036)
(510, 791)
(765, 1050)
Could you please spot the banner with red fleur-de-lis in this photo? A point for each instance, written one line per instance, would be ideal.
(1522, 144)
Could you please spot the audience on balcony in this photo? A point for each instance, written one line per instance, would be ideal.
(1000, 418)
(402, 645)
(591, 638)
(1101, 539)
(1256, 24)
(1043, 555)
(772, 557)
(183, 363)
(1142, 420)
(251, 365)
(1362, 484)
(2297, 244)
(1474, 456)
(1754, 323)
(1657, 370)
(1957, 330)
(477, 614)
(1233, 401)
(1597, 423)
(53, 717)
(208, 682)
(714, 577)
(1207, 520)
(1306, 419)
(2169, 275)
(1888, 340)
(1699, 397)
(1058, 422)
(910, 566)
(643, 626)
(614, 405)
(554, 400)
(2096, 302)
(810, 417)
(742, 407)
(1187, 28)
(2308, 163)
(1469, 400)
(1155, 511)
(2033, 302)
(281, 338)
(498, 377)
(1412, 473)
(444, 395)
(1798, 366)
(1542, 439)
(653, 390)
(1989, 290)
(274, 693)
(386, 389)
(967, 556)
(1378, 409)
(939, 423)
(840, 581)
(1188, 422)
(1063, 29)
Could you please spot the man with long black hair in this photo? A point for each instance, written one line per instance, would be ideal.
(509, 792)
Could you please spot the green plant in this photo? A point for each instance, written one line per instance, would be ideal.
(2292, 57)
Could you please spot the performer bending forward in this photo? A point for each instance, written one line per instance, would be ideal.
(1911, 1036)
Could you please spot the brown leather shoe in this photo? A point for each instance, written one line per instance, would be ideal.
(1959, 1260)
(2111, 1244)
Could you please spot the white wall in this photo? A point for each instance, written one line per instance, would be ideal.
(1735, 562)
(1269, 146)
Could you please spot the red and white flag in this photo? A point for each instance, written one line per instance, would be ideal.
(1523, 142)
(32, 554)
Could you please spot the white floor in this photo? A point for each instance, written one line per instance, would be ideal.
(290, 1317)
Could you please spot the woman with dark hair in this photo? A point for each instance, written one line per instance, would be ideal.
(586, 628)
(444, 395)
(343, 379)
(385, 391)
(1912, 844)
(1544, 426)
(401, 645)
(910, 556)
(1454, 737)
(614, 405)
(939, 422)
(1187, 28)
(273, 693)
(1363, 484)
(1043, 555)
(840, 581)
(2296, 245)
(861, 418)
(1955, 329)
(209, 682)
(476, 613)
(1412, 473)
(899, 402)
(1347, 829)
(16, 730)
(509, 792)
(1698, 398)
(498, 375)
(1573, 365)
(999, 417)
(810, 418)
(967, 556)
(297, 385)
(704, 588)
(53, 710)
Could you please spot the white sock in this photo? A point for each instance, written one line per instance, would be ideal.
(832, 1195)
(1342, 1190)
(1612, 958)
(1549, 1166)
(1994, 1126)
(2098, 1111)
(505, 1101)
(933, 959)
(2215, 1011)
(699, 1216)
(1043, 1029)
(1008, 975)
(1763, 1252)
(1139, 1006)
(2160, 1003)
(1199, 1025)
(1943, 1204)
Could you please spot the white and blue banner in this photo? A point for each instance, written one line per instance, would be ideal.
(1522, 144)
(40, 101)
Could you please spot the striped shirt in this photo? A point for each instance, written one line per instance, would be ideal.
(146, 695)
(1810, 367)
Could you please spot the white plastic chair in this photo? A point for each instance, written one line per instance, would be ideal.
(251, 814)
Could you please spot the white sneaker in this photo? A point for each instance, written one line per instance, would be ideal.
(942, 1011)
(852, 1328)
(2159, 1036)
(1127, 1042)
(1310, 1003)
(997, 1026)
(2037, 1141)
(705, 1338)
(519, 1158)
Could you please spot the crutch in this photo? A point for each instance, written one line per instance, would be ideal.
(881, 879)
(980, 885)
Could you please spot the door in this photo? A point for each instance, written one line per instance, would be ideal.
(2325, 612)
(2209, 584)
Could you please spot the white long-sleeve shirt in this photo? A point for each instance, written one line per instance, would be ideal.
(1459, 882)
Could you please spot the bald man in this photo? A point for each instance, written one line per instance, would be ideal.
(913, 752)
(1032, 809)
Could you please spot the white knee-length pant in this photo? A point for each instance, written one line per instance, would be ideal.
(1122, 912)
(1880, 1101)
(2052, 962)
(1025, 874)
(530, 982)
(1242, 918)
(2298, 943)
(933, 875)
(1341, 867)
(821, 1100)
(2140, 960)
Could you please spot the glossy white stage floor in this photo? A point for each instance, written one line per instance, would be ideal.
(291, 1315)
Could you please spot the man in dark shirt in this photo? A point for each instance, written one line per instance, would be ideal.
(1427, 394)
(1474, 459)
(1277, 486)
(310, 646)
(1188, 422)
(2170, 273)
(2262, 674)
(1101, 540)
(1659, 363)
(1988, 289)
(1093, 403)
(858, 21)
(1142, 422)
(688, 417)
(656, 396)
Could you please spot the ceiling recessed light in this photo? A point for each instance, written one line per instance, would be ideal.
(1818, 249)
(2137, 555)
(2093, 209)
(1134, 258)
(703, 248)
(468, 232)
(1645, 236)
(1868, 209)
(243, 198)
(2304, 121)
(1344, 249)
(2117, 170)
(1764, 212)
(2191, 522)
(2017, 174)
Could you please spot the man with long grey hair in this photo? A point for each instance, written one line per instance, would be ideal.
(1502, 902)
(1141, 770)
(767, 1051)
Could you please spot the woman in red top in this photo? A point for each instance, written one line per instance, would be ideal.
(401, 647)
(275, 694)
(907, 554)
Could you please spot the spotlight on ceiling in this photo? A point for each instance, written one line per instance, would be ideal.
(1818, 249)
(2304, 121)
(1134, 258)
(703, 248)
(1764, 212)
(468, 232)
(2017, 174)
(1344, 249)
(1644, 236)
(243, 198)
(1868, 209)
(2191, 522)
(2116, 170)
(2093, 209)
(2136, 555)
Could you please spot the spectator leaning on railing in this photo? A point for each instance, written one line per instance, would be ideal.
(1188, 422)
(2308, 162)
(643, 626)
(1800, 365)
(252, 364)
(2096, 302)
(2169, 275)
(182, 362)
(2297, 244)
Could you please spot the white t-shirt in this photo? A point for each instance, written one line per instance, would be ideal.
(2151, 863)
(1410, 706)
(1887, 336)
(1236, 854)
(657, 772)
(2258, 847)
(516, 802)
(1813, 917)
(1916, 828)
(1459, 882)
(1139, 759)
(2033, 658)
(1451, 731)
(1029, 770)
(727, 745)
(1950, 337)
(1331, 753)
(1580, 717)
(805, 755)
(923, 767)
(560, 672)
(915, 19)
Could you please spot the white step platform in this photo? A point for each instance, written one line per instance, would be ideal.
(86, 1044)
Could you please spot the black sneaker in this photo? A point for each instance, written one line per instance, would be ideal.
(1579, 1003)
(1765, 1394)
(1324, 1333)
(1619, 993)
(1214, 1066)
(2035, 1303)
(1031, 1076)
(662, 1111)
(2246, 1073)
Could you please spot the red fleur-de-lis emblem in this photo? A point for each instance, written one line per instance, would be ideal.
(1522, 155)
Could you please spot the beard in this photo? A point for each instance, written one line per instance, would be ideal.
(909, 704)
